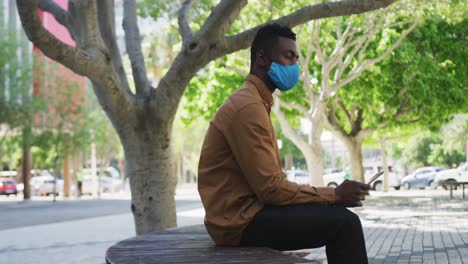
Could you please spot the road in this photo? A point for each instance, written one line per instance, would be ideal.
(41, 213)
(75, 231)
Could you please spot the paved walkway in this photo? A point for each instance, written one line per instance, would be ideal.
(79, 234)
(420, 226)
(412, 229)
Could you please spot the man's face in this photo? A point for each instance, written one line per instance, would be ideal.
(285, 52)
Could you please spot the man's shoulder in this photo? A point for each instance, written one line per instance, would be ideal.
(244, 99)
(245, 95)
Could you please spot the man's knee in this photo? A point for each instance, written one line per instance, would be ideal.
(346, 217)
(352, 220)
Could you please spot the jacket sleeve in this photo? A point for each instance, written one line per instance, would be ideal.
(251, 142)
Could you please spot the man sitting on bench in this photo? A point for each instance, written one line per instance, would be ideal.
(245, 193)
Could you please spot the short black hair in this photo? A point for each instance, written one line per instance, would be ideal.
(267, 37)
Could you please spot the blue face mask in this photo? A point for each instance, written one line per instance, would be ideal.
(284, 77)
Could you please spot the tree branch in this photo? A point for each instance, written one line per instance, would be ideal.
(393, 47)
(59, 14)
(221, 19)
(201, 49)
(316, 42)
(304, 63)
(133, 43)
(295, 106)
(287, 128)
(356, 71)
(85, 14)
(361, 134)
(237, 70)
(92, 62)
(357, 125)
(79, 61)
(342, 38)
(331, 123)
(348, 42)
(106, 20)
(184, 27)
(345, 111)
(322, 10)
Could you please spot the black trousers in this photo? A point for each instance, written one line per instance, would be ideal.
(302, 226)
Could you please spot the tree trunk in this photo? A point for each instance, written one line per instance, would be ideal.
(149, 166)
(311, 150)
(314, 157)
(179, 168)
(288, 161)
(354, 147)
(383, 149)
(26, 163)
(66, 176)
(466, 150)
(76, 164)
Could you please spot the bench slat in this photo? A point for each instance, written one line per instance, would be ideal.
(189, 245)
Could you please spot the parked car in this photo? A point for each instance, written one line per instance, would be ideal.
(108, 180)
(8, 174)
(8, 187)
(336, 178)
(394, 178)
(329, 180)
(421, 178)
(453, 176)
(331, 170)
(44, 185)
(298, 176)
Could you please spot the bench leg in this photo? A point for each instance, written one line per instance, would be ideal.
(451, 191)
(463, 191)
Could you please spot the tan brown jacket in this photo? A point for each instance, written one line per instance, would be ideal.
(240, 169)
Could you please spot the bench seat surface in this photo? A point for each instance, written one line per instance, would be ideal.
(190, 244)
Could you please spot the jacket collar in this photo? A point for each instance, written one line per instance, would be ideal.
(263, 90)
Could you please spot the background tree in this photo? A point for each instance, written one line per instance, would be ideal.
(330, 62)
(443, 157)
(144, 117)
(188, 140)
(420, 83)
(455, 134)
(383, 110)
(17, 103)
(419, 148)
(106, 140)
(61, 130)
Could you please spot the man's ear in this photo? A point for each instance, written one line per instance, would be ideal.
(261, 59)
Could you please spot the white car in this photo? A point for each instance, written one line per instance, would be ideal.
(298, 176)
(452, 176)
(329, 180)
(108, 180)
(44, 185)
(394, 180)
(335, 179)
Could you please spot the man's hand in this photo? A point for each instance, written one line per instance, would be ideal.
(351, 193)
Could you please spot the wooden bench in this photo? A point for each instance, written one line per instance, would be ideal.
(455, 185)
(189, 244)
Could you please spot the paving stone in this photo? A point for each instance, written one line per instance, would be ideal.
(432, 231)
